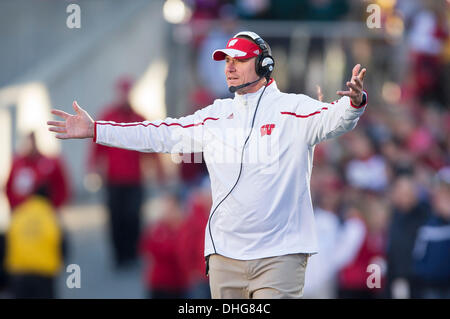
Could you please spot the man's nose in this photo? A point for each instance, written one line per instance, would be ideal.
(230, 67)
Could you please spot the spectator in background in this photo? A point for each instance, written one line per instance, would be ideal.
(363, 246)
(34, 251)
(122, 172)
(161, 247)
(30, 169)
(408, 214)
(428, 34)
(432, 247)
(36, 187)
(198, 208)
(367, 170)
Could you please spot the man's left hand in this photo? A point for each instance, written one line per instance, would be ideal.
(355, 92)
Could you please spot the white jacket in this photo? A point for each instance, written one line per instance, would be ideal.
(269, 212)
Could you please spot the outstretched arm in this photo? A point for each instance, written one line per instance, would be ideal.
(80, 125)
(181, 135)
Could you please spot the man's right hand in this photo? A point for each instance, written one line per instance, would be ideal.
(80, 125)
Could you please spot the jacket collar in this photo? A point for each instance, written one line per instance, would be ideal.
(248, 98)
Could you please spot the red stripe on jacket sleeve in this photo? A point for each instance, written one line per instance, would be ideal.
(95, 132)
(162, 123)
(306, 115)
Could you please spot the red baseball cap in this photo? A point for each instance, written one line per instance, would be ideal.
(237, 48)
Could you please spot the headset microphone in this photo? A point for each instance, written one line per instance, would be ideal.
(266, 74)
(233, 89)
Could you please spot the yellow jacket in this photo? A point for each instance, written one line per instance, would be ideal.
(34, 239)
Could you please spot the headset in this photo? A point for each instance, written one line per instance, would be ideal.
(264, 63)
(264, 68)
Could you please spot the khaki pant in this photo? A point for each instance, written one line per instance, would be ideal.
(266, 278)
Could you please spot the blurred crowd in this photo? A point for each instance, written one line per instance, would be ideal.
(381, 192)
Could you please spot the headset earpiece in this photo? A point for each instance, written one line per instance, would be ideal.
(264, 63)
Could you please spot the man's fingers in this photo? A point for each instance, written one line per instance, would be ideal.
(57, 123)
(76, 107)
(62, 136)
(358, 82)
(350, 94)
(344, 93)
(362, 74)
(356, 69)
(57, 129)
(353, 86)
(62, 114)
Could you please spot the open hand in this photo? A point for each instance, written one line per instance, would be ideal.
(355, 92)
(80, 125)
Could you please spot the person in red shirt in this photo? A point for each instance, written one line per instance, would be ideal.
(31, 169)
(122, 172)
(354, 276)
(161, 245)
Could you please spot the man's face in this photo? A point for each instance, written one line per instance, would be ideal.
(239, 71)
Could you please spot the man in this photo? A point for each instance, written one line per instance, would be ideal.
(408, 214)
(260, 230)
